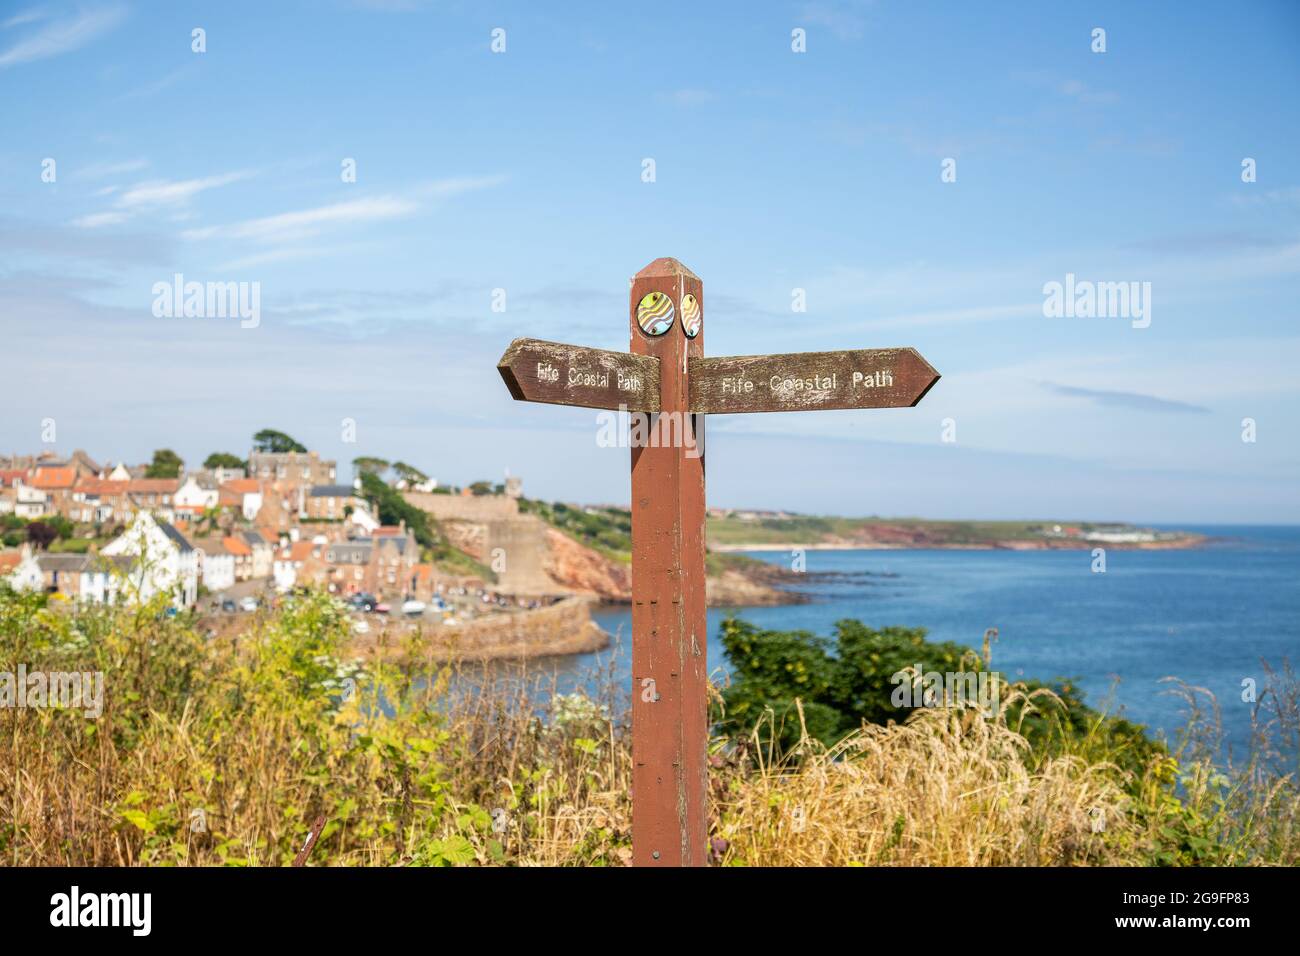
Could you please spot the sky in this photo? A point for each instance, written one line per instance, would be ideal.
(920, 171)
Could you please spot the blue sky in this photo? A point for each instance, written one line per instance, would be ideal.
(774, 170)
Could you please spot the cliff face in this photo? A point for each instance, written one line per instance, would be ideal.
(576, 567)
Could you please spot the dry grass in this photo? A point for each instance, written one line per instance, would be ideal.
(947, 788)
(221, 751)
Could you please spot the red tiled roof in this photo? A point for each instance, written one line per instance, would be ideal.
(100, 486)
(237, 546)
(164, 486)
(9, 560)
(9, 475)
(300, 550)
(54, 478)
(242, 486)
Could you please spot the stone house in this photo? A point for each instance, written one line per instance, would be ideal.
(292, 467)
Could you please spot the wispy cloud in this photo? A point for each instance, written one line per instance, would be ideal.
(27, 16)
(96, 219)
(1133, 400)
(1287, 195)
(61, 36)
(25, 239)
(163, 192)
(308, 222)
(305, 223)
(158, 85)
(1068, 87)
(1077, 90)
(173, 195)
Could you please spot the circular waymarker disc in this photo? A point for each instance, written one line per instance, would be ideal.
(692, 320)
(654, 313)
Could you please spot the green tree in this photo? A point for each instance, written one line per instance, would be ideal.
(63, 527)
(409, 472)
(388, 505)
(481, 488)
(367, 465)
(223, 459)
(166, 464)
(273, 442)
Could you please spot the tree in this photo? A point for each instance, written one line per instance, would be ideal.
(366, 465)
(209, 521)
(63, 527)
(223, 459)
(41, 535)
(409, 473)
(481, 488)
(388, 505)
(273, 442)
(166, 464)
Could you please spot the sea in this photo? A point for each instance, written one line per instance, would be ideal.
(1213, 616)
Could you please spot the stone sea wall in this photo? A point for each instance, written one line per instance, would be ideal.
(561, 628)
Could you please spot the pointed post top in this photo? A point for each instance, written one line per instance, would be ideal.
(665, 266)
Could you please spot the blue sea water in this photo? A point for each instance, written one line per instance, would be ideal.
(1208, 615)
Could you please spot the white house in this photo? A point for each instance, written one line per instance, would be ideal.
(98, 584)
(120, 473)
(27, 574)
(29, 502)
(362, 519)
(242, 493)
(192, 496)
(284, 570)
(287, 569)
(165, 561)
(216, 564)
(83, 578)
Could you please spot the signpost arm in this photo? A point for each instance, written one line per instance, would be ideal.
(669, 624)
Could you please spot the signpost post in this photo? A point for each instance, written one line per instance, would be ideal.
(667, 377)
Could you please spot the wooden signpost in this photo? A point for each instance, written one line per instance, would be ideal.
(666, 375)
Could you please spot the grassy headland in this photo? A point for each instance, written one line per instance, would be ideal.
(741, 530)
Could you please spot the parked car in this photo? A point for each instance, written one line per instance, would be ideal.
(229, 606)
(413, 608)
(248, 604)
(363, 602)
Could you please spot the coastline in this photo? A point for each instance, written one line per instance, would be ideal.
(1182, 543)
